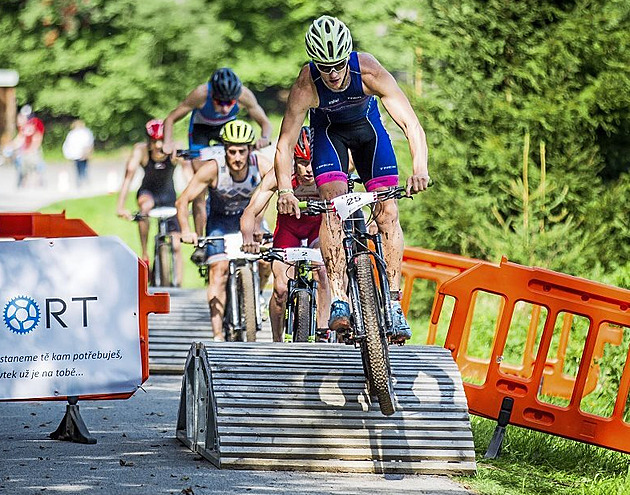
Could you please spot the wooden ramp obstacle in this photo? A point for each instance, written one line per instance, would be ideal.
(304, 407)
(171, 334)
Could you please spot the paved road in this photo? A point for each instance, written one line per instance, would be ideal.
(137, 453)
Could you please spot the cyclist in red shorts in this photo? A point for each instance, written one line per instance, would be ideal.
(290, 232)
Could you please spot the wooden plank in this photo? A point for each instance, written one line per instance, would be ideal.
(372, 423)
(428, 445)
(341, 432)
(427, 467)
(279, 452)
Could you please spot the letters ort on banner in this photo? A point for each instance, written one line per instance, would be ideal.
(68, 318)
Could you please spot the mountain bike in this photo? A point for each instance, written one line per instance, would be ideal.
(368, 287)
(242, 317)
(300, 322)
(164, 272)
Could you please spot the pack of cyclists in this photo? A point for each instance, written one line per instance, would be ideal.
(231, 183)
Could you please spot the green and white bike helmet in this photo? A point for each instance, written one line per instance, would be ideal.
(328, 40)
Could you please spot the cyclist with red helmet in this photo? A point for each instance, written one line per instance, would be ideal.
(290, 232)
(157, 188)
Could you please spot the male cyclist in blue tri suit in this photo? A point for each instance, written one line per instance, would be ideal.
(339, 89)
(213, 104)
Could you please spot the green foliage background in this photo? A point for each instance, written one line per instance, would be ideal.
(525, 104)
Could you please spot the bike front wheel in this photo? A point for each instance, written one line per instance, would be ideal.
(374, 348)
(165, 269)
(302, 318)
(247, 301)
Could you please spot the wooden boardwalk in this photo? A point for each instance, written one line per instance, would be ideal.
(304, 407)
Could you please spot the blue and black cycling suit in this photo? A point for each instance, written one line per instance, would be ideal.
(350, 120)
(205, 123)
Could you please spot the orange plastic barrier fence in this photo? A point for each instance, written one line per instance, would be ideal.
(30, 225)
(604, 308)
(430, 265)
(440, 267)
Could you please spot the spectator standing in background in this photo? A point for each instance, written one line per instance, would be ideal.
(78, 147)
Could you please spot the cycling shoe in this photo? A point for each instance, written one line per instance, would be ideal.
(339, 315)
(401, 330)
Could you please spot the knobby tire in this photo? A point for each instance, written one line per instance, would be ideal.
(166, 265)
(302, 318)
(376, 352)
(247, 301)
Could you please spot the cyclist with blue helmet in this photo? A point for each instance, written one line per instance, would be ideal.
(339, 89)
(212, 105)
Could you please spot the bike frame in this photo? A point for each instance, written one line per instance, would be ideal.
(302, 281)
(232, 316)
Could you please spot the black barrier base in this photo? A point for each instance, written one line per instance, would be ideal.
(72, 428)
(494, 449)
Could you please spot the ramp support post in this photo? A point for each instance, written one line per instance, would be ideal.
(72, 428)
(494, 448)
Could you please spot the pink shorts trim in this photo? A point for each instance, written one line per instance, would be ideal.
(330, 177)
(384, 181)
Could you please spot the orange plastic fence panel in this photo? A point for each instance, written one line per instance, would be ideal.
(22, 225)
(603, 306)
(430, 265)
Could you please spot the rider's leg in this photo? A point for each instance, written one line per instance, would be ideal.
(323, 297)
(393, 245)
(330, 238)
(278, 300)
(217, 281)
(331, 243)
(386, 215)
(179, 262)
(145, 205)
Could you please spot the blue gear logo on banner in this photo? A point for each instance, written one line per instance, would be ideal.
(21, 314)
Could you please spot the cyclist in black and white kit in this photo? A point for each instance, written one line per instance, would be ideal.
(230, 179)
(157, 188)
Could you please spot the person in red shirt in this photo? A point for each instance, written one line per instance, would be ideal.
(27, 145)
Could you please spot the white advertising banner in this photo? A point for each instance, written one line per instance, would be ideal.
(69, 318)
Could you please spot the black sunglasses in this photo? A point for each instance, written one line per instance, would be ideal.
(327, 69)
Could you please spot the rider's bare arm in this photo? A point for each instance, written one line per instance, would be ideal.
(303, 96)
(264, 164)
(251, 218)
(378, 81)
(256, 112)
(195, 99)
(138, 157)
(205, 177)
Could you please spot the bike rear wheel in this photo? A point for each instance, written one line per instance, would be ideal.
(247, 301)
(374, 348)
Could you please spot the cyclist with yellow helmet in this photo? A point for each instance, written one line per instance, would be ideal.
(339, 89)
(230, 179)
